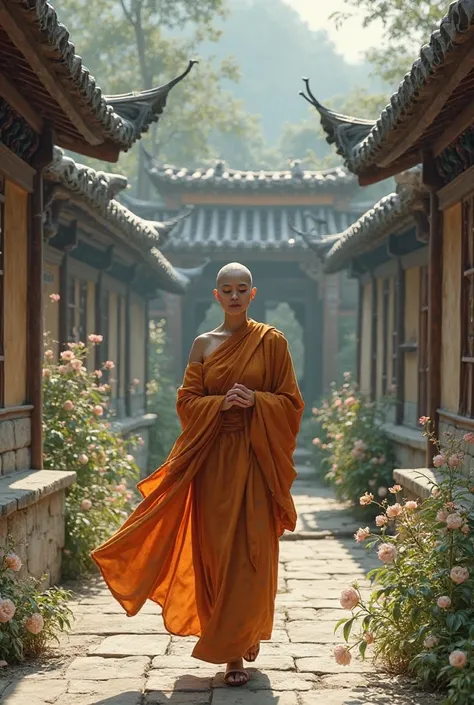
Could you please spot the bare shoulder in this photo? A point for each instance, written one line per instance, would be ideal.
(197, 349)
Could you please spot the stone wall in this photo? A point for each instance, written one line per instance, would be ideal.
(32, 513)
(15, 441)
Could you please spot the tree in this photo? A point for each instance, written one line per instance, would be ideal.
(407, 25)
(136, 44)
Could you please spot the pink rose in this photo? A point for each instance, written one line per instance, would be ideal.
(381, 520)
(135, 381)
(47, 373)
(109, 365)
(360, 445)
(350, 401)
(83, 459)
(357, 454)
(441, 516)
(468, 437)
(342, 655)
(459, 574)
(49, 354)
(439, 460)
(457, 659)
(316, 441)
(410, 505)
(7, 610)
(387, 553)
(394, 510)
(315, 411)
(423, 420)
(93, 338)
(382, 492)
(395, 489)
(349, 598)
(455, 460)
(67, 355)
(68, 405)
(430, 641)
(34, 623)
(362, 534)
(77, 365)
(366, 499)
(98, 410)
(444, 602)
(63, 369)
(454, 521)
(368, 637)
(86, 504)
(465, 529)
(54, 298)
(98, 373)
(13, 561)
(338, 402)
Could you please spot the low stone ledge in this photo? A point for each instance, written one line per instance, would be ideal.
(28, 487)
(404, 435)
(132, 423)
(417, 480)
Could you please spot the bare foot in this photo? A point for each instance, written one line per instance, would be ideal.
(252, 653)
(235, 674)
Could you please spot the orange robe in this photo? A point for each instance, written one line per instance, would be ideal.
(203, 543)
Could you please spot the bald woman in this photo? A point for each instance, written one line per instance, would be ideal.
(203, 543)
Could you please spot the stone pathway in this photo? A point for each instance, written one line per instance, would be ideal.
(109, 659)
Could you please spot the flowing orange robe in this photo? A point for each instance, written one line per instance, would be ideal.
(203, 543)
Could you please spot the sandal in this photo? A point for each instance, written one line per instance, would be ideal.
(234, 672)
(248, 656)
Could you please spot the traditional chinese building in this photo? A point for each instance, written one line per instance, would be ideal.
(47, 97)
(106, 265)
(256, 218)
(429, 121)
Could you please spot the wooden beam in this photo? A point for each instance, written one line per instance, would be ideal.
(64, 302)
(18, 103)
(435, 303)
(377, 173)
(99, 293)
(428, 111)
(17, 29)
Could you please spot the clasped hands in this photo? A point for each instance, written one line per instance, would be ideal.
(240, 396)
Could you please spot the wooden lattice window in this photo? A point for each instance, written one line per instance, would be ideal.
(2, 310)
(467, 310)
(423, 345)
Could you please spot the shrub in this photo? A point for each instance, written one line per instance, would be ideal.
(353, 450)
(420, 617)
(161, 398)
(29, 617)
(77, 437)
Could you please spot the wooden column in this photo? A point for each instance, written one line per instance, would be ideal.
(64, 302)
(35, 300)
(128, 352)
(435, 300)
(373, 340)
(147, 353)
(99, 295)
(360, 311)
(398, 342)
(328, 327)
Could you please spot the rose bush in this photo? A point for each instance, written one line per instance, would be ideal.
(77, 436)
(354, 450)
(420, 616)
(29, 616)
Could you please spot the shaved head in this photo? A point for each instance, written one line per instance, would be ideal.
(234, 269)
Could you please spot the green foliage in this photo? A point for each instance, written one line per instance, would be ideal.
(30, 618)
(420, 614)
(354, 450)
(161, 397)
(407, 26)
(76, 437)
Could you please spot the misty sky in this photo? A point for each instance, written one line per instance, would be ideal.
(350, 39)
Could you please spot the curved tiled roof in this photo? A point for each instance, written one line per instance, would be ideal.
(123, 118)
(97, 188)
(394, 211)
(222, 178)
(361, 142)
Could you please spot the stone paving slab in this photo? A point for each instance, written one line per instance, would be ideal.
(110, 659)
